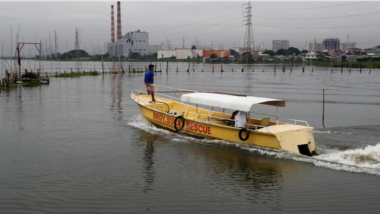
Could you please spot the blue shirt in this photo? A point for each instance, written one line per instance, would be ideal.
(149, 77)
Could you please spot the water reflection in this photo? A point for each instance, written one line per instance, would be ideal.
(257, 177)
(148, 160)
(20, 110)
(117, 95)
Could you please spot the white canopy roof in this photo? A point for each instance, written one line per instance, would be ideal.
(242, 103)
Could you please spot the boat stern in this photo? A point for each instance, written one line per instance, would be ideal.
(294, 138)
(298, 140)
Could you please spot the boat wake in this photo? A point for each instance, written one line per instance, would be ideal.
(365, 159)
(359, 160)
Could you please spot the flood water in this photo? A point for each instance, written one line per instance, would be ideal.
(80, 145)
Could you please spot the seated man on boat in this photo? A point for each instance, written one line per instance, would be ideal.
(240, 118)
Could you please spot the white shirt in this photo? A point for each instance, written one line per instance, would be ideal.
(240, 119)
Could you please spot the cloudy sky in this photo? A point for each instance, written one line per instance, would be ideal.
(220, 24)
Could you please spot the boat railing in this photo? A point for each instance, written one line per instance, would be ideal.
(298, 121)
(168, 96)
(273, 116)
(156, 94)
(138, 100)
(164, 91)
(255, 127)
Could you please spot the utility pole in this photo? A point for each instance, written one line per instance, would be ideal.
(183, 43)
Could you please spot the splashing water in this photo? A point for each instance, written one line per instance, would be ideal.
(368, 157)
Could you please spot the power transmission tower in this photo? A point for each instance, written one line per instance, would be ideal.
(168, 44)
(46, 49)
(56, 44)
(50, 47)
(248, 39)
(79, 65)
(197, 42)
(76, 39)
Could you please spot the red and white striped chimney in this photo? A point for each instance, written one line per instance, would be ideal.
(118, 21)
(112, 26)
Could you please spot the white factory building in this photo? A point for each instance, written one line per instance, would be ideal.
(132, 42)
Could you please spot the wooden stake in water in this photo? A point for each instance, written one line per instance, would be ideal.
(274, 66)
(102, 66)
(167, 66)
(323, 109)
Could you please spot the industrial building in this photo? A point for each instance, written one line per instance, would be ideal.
(191, 53)
(132, 42)
(184, 53)
(219, 53)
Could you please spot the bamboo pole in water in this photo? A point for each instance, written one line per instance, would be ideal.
(102, 66)
(323, 109)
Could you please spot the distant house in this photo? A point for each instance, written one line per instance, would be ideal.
(375, 50)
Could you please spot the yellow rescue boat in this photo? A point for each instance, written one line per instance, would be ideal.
(226, 117)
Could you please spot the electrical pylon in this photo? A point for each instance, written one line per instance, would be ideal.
(248, 39)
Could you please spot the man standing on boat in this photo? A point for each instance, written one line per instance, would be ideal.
(148, 81)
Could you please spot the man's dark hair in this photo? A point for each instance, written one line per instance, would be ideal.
(151, 66)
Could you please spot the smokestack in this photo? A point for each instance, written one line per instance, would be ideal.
(112, 26)
(118, 21)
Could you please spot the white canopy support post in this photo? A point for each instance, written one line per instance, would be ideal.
(277, 115)
(209, 113)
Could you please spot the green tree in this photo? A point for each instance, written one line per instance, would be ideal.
(269, 52)
(213, 56)
(292, 50)
(135, 55)
(280, 52)
(233, 52)
(247, 57)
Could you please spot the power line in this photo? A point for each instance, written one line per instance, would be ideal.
(208, 33)
(196, 22)
(166, 35)
(334, 17)
(316, 28)
(312, 8)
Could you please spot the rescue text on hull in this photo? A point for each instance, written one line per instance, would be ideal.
(227, 117)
